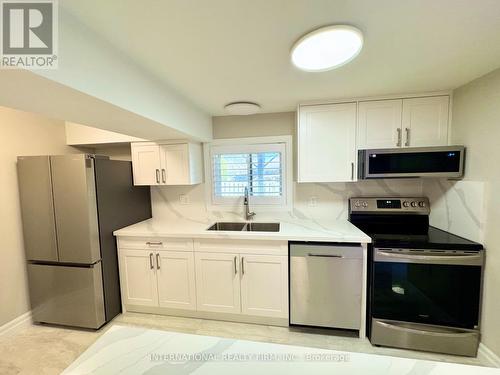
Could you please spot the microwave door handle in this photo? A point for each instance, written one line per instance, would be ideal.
(465, 259)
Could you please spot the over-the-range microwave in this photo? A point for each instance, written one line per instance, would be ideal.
(445, 162)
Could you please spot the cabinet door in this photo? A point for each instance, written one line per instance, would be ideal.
(146, 164)
(176, 281)
(174, 164)
(264, 285)
(327, 143)
(138, 278)
(425, 121)
(379, 124)
(217, 282)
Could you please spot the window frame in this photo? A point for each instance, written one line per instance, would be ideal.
(282, 144)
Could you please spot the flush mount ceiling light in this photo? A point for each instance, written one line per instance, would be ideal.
(242, 108)
(327, 48)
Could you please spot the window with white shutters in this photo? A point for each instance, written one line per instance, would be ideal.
(258, 167)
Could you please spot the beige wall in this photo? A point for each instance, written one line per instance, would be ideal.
(115, 152)
(476, 124)
(266, 124)
(21, 133)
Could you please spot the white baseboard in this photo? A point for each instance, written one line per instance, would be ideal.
(487, 357)
(16, 324)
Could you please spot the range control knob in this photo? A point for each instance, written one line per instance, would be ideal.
(406, 204)
(421, 204)
(356, 204)
(365, 204)
(414, 204)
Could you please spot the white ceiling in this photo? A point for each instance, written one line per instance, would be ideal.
(219, 51)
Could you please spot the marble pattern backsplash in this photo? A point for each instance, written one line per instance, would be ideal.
(321, 201)
(457, 206)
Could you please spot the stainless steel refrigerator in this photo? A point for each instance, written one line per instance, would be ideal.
(70, 207)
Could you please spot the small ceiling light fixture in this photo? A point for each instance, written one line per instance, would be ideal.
(327, 48)
(242, 108)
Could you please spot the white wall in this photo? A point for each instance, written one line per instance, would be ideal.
(21, 133)
(96, 85)
(476, 124)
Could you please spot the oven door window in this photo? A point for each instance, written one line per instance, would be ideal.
(445, 295)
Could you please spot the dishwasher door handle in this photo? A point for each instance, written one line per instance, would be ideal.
(325, 255)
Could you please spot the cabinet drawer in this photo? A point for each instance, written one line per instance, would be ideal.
(156, 243)
(242, 246)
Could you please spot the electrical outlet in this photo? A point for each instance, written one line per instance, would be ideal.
(184, 199)
(313, 201)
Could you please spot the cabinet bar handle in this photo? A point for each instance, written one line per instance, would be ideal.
(352, 171)
(407, 143)
(157, 176)
(235, 265)
(157, 261)
(154, 243)
(399, 138)
(151, 265)
(242, 265)
(164, 175)
(325, 255)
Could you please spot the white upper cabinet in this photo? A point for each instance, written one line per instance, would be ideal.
(166, 163)
(327, 142)
(425, 121)
(412, 122)
(146, 164)
(379, 124)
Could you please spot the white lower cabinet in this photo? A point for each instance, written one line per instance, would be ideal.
(259, 281)
(244, 278)
(264, 285)
(217, 282)
(138, 278)
(176, 280)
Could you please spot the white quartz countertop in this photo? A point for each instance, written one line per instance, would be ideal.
(290, 230)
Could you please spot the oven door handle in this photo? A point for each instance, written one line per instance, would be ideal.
(461, 259)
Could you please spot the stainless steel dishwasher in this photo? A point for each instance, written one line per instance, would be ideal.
(326, 285)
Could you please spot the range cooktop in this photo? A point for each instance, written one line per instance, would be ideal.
(403, 223)
(434, 239)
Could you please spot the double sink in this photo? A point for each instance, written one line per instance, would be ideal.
(245, 227)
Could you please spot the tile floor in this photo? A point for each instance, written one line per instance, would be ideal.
(48, 350)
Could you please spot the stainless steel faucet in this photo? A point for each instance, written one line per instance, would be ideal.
(248, 214)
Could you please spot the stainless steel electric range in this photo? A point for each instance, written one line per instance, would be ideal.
(424, 283)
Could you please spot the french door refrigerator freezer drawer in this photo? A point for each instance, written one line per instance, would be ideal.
(67, 295)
